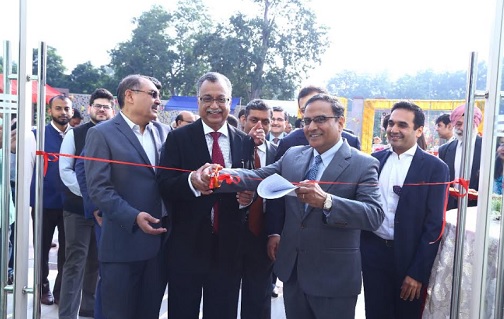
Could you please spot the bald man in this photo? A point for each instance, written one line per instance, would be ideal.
(451, 153)
(184, 118)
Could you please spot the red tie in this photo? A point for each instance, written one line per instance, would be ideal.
(255, 217)
(217, 158)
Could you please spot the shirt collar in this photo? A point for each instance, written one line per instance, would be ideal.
(132, 125)
(328, 155)
(68, 127)
(262, 147)
(410, 152)
(223, 129)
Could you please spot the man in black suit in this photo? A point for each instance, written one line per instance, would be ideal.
(204, 245)
(256, 265)
(451, 153)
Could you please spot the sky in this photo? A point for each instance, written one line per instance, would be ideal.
(367, 36)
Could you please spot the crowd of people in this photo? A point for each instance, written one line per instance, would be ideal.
(140, 211)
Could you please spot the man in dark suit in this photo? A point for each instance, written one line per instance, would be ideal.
(257, 232)
(134, 217)
(451, 153)
(318, 258)
(204, 245)
(397, 257)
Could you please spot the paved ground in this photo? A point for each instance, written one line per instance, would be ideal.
(51, 312)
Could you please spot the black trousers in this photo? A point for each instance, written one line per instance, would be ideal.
(52, 219)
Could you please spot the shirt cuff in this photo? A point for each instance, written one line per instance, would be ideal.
(196, 192)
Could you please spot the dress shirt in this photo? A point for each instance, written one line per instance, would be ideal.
(458, 157)
(146, 139)
(62, 133)
(66, 164)
(224, 145)
(327, 157)
(261, 151)
(393, 173)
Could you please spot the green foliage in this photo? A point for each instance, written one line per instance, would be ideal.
(55, 71)
(425, 84)
(85, 79)
(266, 53)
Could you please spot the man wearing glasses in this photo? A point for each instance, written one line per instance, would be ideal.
(134, 219)
(278, 123)
(318, 258)
(80, 271)
(204, 245)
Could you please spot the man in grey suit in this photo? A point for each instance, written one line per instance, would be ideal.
(134, 222)
(318, 257)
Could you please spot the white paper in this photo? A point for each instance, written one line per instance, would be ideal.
(275, 186)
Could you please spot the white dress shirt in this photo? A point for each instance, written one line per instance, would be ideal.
(146, 138)
(393, 173)
(458, 158)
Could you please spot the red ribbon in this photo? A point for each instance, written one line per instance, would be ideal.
(218, 178)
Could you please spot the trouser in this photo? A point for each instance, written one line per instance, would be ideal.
(80, 271)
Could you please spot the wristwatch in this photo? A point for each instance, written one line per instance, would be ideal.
(328, 202)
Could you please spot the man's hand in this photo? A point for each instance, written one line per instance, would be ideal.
(200, 179)
(245, 198)
(257, 133)
(309, 192)
(410, 289)
(272, 246)
(99, 219)
(144, 220)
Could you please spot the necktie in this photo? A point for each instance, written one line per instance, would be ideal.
(255, 217)
(312, 172)
(217, 158)
(275, 140)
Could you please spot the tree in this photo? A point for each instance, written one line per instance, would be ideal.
(55, 72)
(161, 46)
(269, 54)
(85, 79)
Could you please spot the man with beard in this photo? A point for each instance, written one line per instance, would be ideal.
(60, 111)
(80, 271)
(451, 153)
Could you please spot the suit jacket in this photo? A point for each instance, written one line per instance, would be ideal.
(297, 137)
(447, 154)
(419, 215)
(324, 251)
(191, 243)
(122, 191)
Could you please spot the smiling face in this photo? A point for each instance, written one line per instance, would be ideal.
(322, 136)
(401, 133)
(101, 110)
(214, 103)
(141, 107)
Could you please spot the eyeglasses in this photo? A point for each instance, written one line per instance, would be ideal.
(208, 100)
(100, 106)
(155, 94)
(321, 119)
(254, 120)
(278, 119)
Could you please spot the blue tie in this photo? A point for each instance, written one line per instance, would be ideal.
(312, 172)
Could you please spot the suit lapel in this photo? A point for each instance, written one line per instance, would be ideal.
(270, 153)
(450, 156)
(305, 157)
(414, 174)
(333, 170)
(124, 128)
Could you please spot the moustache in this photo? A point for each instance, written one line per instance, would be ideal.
(217, 111)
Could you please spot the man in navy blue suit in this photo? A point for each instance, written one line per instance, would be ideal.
(397, 258)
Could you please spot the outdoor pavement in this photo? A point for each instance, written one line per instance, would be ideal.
(51, 312)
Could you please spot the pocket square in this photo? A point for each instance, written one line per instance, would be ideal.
(397, 190)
